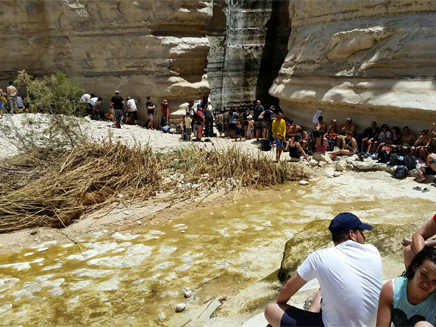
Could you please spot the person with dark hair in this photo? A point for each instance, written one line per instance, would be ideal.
(420, 147)
(12, 93)
(258, 109)
(150, 112)
(429, 167)
(419, 239)
(94, 104)
(350, 276)
(408, 139)
(117, 102)
(410, 298)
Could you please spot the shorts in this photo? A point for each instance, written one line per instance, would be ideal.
(189, 131)
(279, 142)
(302, 318)
(238, 131)
(249, 131)
(150, 113)
(232, 127)
(258, 125)
(133, 114)
(265, 124)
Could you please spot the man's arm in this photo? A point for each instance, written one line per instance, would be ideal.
(290, 288)
(385, 305)
(425, 232)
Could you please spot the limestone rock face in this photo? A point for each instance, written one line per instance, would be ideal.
(146, 47)
(369, 60)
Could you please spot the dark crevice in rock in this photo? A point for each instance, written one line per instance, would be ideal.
(275, 51)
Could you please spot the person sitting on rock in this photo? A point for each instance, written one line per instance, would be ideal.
(411, 298)
(292, 129)
(430, 165)
(332, 134)
(396, 144)
(295, 148)
(407, 139)
(419, 239)
(319, 134)
(370, 135)
(420, 147)
(384, 138)
(350, 275)
(304, 138)
(348, 146)
(348, 127)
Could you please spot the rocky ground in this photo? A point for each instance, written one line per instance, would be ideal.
(366, 188)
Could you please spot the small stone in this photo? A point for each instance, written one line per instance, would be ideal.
(322, 163)
(126, 212)
(313, 162)
(337, 174)
(182, 231)
(34, 232)
(187, 294)
(222, 299)
(303, 182)
(139, 222)
(180, 307)
(211, 213)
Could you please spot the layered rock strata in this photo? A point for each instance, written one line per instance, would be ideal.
(371, 60)
(146, 47)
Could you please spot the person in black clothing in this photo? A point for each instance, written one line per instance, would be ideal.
(208, 131)
(118, 104)
(150, 111)
(370, 135)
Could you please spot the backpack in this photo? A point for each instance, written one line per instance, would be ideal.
(384, 155)
(409, 161)
(395, 159)
(266, 145)
(400, 172)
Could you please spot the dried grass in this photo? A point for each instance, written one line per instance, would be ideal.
(75, 182)
(231, 165)
(54, 189)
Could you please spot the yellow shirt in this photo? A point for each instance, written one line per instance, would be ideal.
(279, 128)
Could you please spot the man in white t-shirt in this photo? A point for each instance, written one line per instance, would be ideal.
(132, 111)
(94, 105)
(350, 276)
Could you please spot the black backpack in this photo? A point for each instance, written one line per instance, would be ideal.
(266, 145)
(409, 161)
(400, 172)
(383, 155)
(395, 160)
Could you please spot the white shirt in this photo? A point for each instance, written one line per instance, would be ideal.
(131, 105)
(350, 275)
(85, 98)
(93, 101)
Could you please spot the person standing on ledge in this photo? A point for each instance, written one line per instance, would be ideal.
(118, 104)
(279, 134)
(350, 276)
(150, 112)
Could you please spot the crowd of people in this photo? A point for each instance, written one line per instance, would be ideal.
(10, 101)
(351, 283)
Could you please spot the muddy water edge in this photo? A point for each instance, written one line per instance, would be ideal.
(136, 278)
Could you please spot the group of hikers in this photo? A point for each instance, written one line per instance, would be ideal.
(351, 282)
(10, 101)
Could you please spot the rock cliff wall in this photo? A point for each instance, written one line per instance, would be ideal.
(147, 47)
(371, 60)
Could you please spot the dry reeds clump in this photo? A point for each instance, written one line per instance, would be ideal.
(74, 182)
(232, 165)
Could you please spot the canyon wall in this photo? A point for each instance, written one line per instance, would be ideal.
(369, 60)
(147, 47)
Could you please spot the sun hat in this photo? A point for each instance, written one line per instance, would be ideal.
(117, 92)
(249, 116)
(346, 221)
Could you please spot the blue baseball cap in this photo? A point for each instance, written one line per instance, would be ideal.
(346, 221)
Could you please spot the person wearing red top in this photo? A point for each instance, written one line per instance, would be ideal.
(419, 240)
(165, 110)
